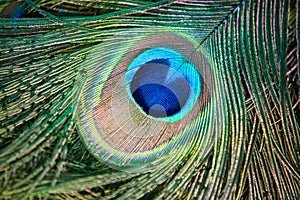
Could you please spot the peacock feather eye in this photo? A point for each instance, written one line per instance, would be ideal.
(143, 99)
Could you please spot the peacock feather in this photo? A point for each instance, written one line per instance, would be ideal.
(187, 99)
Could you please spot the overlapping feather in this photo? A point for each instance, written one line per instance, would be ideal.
(248, 149)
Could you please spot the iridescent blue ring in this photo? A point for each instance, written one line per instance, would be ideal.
(163, 84)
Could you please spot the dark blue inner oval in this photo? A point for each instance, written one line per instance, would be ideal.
(158, 90)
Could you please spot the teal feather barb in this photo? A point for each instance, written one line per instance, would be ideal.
(149, 99)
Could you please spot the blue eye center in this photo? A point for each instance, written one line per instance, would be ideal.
(163, 84)
(156, 93)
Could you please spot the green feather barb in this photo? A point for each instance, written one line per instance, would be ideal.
(60, 63)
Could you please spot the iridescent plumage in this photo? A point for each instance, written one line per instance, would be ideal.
(77, 118)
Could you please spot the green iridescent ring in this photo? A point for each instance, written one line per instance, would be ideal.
(142, 105)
